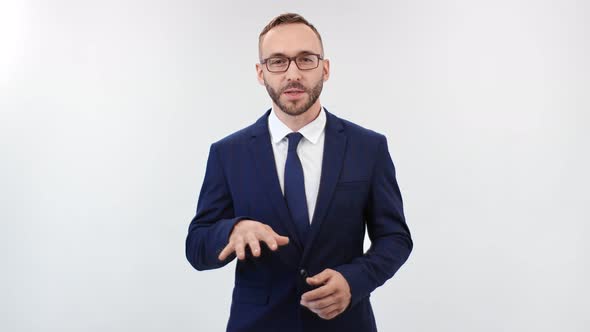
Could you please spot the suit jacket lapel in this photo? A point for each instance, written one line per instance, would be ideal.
(261, 148)
(334, 148)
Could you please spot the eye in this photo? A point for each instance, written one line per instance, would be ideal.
(277, 61)
(306, 59)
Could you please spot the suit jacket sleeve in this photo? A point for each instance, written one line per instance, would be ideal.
(390, 237)
(209, 230)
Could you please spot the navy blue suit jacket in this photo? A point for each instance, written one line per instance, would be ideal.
(358, 191)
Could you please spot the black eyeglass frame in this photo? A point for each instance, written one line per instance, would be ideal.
(291, 59)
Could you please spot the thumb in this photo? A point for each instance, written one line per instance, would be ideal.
(281, 240)
(320, 278)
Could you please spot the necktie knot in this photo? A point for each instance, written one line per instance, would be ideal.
(294, 139)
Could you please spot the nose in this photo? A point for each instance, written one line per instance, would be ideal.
(293, 72)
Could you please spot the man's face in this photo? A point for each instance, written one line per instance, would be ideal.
(290, 40)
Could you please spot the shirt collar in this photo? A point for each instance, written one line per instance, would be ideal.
(311, 131)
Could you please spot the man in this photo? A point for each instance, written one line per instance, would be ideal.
(291, 197)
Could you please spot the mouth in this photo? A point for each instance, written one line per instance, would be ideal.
(294, 93)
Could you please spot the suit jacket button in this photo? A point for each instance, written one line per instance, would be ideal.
(303, 273)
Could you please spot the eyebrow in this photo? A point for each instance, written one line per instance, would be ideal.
(283, 54)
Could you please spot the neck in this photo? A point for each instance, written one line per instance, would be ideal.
(296, 122)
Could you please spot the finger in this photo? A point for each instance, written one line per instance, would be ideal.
(324, 311)
(331, 314)
(254, 245)
(328, 313)
(320, 278)
(321, 303)
(240, 250)
(269, 239)
(229, 248)
(318, 293)
(281, 240)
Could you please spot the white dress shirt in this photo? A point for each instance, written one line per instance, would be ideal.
(310, 151)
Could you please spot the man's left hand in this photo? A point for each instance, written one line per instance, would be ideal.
(331, 298)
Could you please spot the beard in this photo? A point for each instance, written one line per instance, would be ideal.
(292, 108)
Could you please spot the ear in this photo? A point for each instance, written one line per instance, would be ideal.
(326, 69)
(259, 74)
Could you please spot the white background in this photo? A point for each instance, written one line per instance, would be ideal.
(108, 108)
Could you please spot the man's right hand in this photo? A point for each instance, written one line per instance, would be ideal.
(251, 232)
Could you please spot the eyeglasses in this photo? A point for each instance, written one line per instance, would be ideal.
(280, 64)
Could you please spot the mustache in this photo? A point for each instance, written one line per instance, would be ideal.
(294, 86)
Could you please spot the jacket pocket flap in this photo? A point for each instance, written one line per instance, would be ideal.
(253, 295)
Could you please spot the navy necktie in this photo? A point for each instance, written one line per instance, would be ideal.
(295, 187)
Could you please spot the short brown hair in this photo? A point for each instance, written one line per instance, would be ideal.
(287, 18)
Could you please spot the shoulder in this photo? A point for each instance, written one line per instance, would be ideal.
(237, 137)
(242, 136)
(356, 131)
